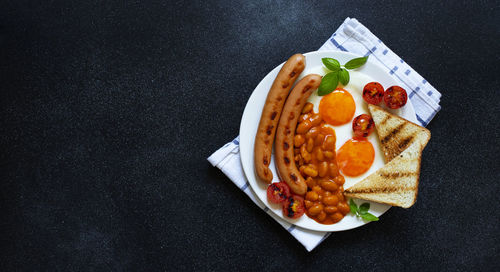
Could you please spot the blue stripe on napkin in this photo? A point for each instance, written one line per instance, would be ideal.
(353, 37)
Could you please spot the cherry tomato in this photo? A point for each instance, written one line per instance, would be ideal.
(293, 207)
(363, 125)
(278, 192)
(395, 97)
(373, 93)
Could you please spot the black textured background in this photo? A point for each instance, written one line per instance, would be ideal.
(109, 109)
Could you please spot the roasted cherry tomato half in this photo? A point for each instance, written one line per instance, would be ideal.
(363, 125)
(278, 192)
(395, 97)
(373, 93)
(293, 207)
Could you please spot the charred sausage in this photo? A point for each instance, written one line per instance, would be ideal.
(271, 114)
(287, 170)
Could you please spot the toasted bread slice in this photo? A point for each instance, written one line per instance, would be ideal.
(396, 183)
(396, 133)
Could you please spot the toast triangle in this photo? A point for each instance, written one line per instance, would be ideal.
(395, 133)
(396, 183)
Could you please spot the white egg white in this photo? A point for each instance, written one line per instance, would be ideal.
(344, 132)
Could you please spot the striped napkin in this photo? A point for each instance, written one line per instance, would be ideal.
(352, 37)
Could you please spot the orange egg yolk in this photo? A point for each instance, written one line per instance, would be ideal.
(355, 157)
(337, 108)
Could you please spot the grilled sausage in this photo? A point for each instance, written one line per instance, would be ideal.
(287, 170)
(271, 114)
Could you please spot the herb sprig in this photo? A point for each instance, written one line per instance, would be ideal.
(338, 74)
(362, 211)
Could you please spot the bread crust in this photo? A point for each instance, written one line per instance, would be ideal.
(391, 184)
(396, 133)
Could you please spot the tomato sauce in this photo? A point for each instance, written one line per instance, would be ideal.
(315, 157)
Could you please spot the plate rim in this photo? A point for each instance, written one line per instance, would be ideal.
(318, 226)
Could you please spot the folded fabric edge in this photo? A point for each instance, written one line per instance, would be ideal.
(358, 31)
(293, 228)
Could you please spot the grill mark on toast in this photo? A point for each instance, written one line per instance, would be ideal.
(391, 134)
(405, 142)
(385, 120)
(382, 190)
(396, 175)
(407, 160)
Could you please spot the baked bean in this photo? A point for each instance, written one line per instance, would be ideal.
(303, 127)
(328, 154)
(317, 189)
(310, 182)
(304, 117)
(321, 216)
(301, 169)
(331, 209)
(319, 139)
(340, 195)
(315, 119)
(305, 155)
(325, 129)
(336, 217)
(312, 133)
(314, 154)
(340, 180)
(312, 196)
(310, 145)
(298, 140)
(329, 186)
(313, 166)
(310, 171)
(344, 208)
(307, 108)
(315, 210)
(331, 200)
(334, 170)
(322, 168)
(319, 154)
(328, 143)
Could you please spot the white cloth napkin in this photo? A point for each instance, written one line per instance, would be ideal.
(353, 37)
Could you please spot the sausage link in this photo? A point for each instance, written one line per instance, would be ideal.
(287, 169)
(271, 114)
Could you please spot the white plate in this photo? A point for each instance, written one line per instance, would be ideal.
(250, 123)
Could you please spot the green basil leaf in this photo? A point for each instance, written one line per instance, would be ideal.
(331, 64)
(369, 217)
(356, 63)
(328, 83)
(353, 206)
(344, 76)
(363, 209)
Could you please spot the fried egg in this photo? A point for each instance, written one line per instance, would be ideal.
(357, 158)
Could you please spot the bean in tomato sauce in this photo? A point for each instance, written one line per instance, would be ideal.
(315, 156)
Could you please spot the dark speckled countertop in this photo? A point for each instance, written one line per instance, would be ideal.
(109, 109)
